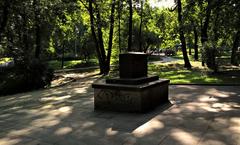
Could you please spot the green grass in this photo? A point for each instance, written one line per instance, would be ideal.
(177, 74)
(56, 64)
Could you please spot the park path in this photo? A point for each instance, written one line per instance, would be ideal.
(162, 59)
(197, 115)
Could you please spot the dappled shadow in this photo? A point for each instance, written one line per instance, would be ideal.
(65, 116)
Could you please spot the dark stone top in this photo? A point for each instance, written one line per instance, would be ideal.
(133, 65)
(103, 85)
(132, 81)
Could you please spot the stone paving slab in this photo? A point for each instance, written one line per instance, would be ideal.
(197, 115)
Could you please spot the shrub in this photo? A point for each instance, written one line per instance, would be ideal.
(170, 52)
(25, 77)
(210, 54)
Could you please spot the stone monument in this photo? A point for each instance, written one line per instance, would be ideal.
(134, 90)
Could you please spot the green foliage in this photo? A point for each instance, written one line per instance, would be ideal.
(210, 53)
(31, 76)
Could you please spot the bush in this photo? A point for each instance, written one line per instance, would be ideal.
(170, 52)
(25, 77)
(210, 54)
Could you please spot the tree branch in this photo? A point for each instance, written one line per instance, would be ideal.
(85, 5)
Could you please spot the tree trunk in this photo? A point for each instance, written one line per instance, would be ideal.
(25, 37)
(100, 38)
(63, 53)
(215, 27)
(38, 42)
(37, 29)
(204, 35)
(195, 43)
(100, 59)
(190, 50)
(140, 29)
(204, 29)
(119, 25)
(110, 37)
(182, 38)
(130, 26)
(234, 57)
(5, 16)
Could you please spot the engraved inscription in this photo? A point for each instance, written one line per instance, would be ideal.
(114, 97)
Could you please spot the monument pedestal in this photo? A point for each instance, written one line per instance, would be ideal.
(137, 93)
(130, 98)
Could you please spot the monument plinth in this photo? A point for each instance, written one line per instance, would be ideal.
(133, 65)
(134, 91)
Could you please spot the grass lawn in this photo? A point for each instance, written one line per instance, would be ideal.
(197, 75)
(175, 71)
(177, 74)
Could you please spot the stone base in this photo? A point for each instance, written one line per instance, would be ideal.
(130, 98)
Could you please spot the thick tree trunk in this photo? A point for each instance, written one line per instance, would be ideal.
(100, 59)
(130, 26)
(119, 24)
(140, 29)
(204, 29)
(204, 35)
(190, 50)
(38, 42)
(100, 40)
(63, 53)
(234, 57)
(25, 34)
(3, 22)
(216, 27)
(100, 34)
(195, 43)
(110, 37)
(182, 38)
(37, 29)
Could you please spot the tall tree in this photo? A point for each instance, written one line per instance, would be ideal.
(234, 57)
(182, 37)
(204, 29)
(192, 16)
(119, 24)
(110, 41)
(99, 54)
(130, 25)
(96, 29)
(36, 5)
(140, 27)
(195, 42)
(235, 15)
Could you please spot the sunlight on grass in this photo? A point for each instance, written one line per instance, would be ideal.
(177, 74)
(4, 60)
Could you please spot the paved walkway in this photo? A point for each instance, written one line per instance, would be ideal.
(199, 115)
(164, 59)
